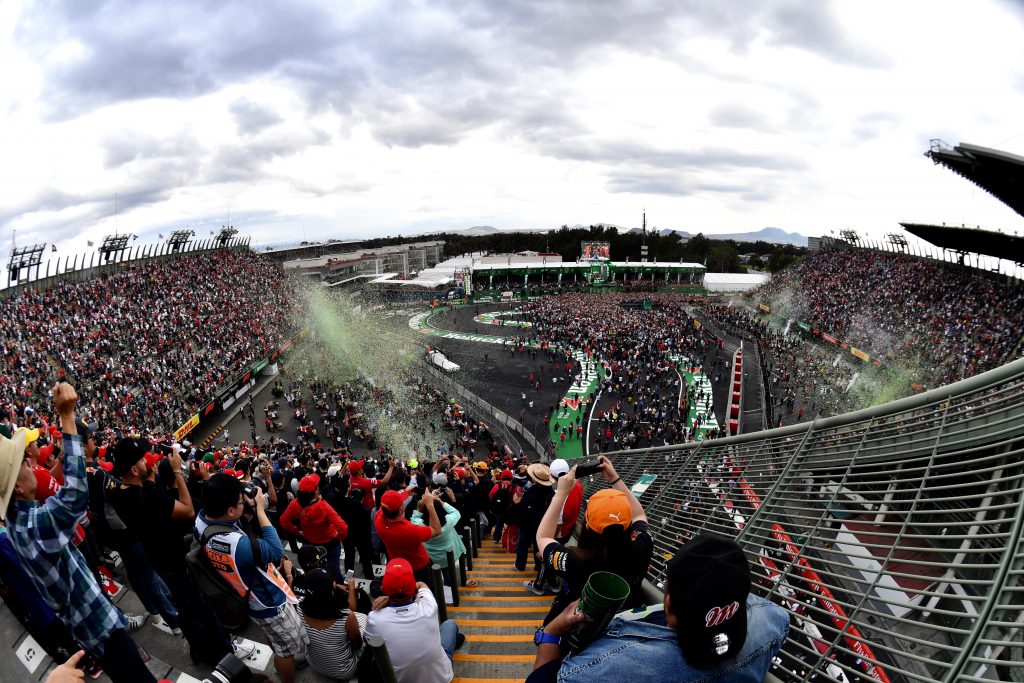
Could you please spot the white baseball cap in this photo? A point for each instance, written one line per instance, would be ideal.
(559, 467)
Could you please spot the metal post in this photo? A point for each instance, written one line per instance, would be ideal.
(453, 572)
(475, 524)
(382, 659)
(437, 587)
(463, 566)
(467, 538)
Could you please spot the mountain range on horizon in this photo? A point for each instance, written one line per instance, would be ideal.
(768, 234)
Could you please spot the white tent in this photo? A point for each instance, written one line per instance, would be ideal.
(733, 282)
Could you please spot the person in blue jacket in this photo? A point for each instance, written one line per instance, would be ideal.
(254, 567)
(709, 628)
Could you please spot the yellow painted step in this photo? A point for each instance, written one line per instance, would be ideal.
(482, 609)
(506, 598)
(478, 638)
(524, 659)
(500, 622)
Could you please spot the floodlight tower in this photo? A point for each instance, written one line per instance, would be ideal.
(643, 240)
(850, 236)
(226, 233)
(24, 259)
(113, 245)
(179, 238)
(898, 241)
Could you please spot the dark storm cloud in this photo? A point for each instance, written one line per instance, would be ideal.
(252, 117)
(648, 183)
(138, 148)
(623, 152)
(414, 75)
(248, 161)
(56, 217)
(739, 115)
(677, 184)
(129, 51)
(813, 26)
(874, 124)
(47, 201)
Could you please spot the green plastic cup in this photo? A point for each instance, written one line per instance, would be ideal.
(602, 598)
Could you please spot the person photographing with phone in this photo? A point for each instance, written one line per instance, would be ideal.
(614, 539)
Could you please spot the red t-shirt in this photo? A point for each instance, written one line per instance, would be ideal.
(366, 486)
(318, 523)
(570, 511)
(404, 539)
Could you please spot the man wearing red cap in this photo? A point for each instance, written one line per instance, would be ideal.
(501, 502)
(311, 518)
(403, 539)
(405, 617)
(357, 482)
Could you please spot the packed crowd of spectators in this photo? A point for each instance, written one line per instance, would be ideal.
(640, 351)
(133, 500)
(804, 381)
(943, 321)
(240, 506)
(148, 345)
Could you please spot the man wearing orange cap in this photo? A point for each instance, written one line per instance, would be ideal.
(405, 617)
(614, 539)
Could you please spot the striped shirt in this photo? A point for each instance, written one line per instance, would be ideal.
(329, 652)
(42, 535)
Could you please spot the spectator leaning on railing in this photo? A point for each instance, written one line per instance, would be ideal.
(614, 539)
(709, 629)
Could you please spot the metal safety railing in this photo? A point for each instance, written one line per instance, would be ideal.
(526, 428)
(892, 535)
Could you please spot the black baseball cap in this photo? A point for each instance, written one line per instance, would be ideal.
(83, 428)
(127, 452)
(312, 556)
(708, 583)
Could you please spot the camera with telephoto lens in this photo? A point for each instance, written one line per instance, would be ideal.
(588, 468)
(230, 669)
(250, 491)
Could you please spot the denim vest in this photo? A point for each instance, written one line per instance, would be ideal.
(646, 650)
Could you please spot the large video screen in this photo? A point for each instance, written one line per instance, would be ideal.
(596, 251)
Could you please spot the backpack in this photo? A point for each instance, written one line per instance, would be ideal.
(108, 523)
(502, 500)
(231, 608)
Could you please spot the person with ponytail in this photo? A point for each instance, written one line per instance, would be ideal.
(614, 539)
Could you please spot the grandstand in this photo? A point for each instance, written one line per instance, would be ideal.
(999, 173)
(893, 535)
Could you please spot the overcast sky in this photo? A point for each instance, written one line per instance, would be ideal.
(350, 119)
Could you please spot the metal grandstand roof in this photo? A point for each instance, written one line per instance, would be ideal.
(970, 240)
(892, 534)
(1000, 173)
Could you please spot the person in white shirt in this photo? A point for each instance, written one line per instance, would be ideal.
(421, 650)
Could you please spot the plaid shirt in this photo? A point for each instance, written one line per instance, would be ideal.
(42, 534)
